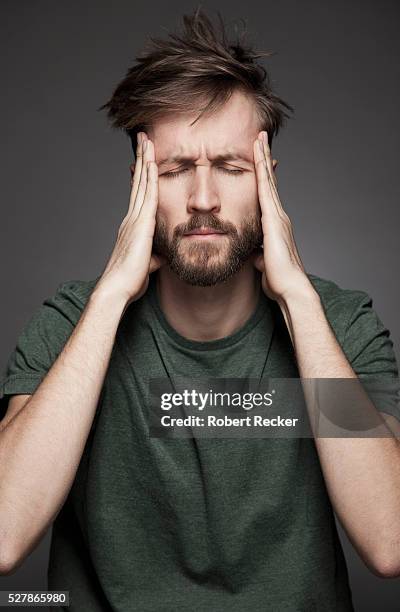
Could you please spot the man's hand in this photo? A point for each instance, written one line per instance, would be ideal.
(282, 270)
(132, 261)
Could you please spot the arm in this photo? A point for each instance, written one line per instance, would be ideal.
(362, 474)
(41, 445)
(42, 442)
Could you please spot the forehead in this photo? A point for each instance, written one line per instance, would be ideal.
(232, 128)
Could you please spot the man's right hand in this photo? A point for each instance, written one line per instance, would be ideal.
(132, 261)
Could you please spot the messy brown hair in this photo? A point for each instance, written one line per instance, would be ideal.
(196, 71)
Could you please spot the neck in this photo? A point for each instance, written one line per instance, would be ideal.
(208, 313)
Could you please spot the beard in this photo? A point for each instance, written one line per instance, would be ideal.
(207, 262)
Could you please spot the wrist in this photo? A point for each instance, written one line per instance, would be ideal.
(104, 296)
(303, 293)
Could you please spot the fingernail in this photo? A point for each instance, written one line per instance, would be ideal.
(265, 137)
(139, 138)
(144, 145)
(261, 146)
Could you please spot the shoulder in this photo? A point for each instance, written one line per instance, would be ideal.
(340, 303)
(69, 298)
(76, 290)
(331, 293)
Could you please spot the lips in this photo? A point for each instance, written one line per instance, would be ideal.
(203, 231)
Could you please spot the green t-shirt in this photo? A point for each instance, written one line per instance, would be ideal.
(167, 525)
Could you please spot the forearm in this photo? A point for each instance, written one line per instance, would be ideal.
(362, 474)
(41, 446)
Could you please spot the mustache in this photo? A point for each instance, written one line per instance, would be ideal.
(206, 220)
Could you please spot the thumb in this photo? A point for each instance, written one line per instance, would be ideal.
(258, 260)
(156, 262)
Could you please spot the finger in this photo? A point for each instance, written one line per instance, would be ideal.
(259, 263)
(156, 262)
(137, 172)
(268, 160)
(150, 200)
(265, 193)
(258, 260)
(266, 152)
(275, 197)
(264, 140)
(148, 155)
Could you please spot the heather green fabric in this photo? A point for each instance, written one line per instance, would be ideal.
(166, 525)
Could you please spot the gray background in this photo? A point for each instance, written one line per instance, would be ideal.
(65, 173)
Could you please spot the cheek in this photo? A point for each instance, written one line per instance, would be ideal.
(169, 210)
(171, 187)
(242, 195)
(251, 186)
(170, 197)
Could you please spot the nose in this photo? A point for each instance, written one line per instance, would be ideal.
(203, 197)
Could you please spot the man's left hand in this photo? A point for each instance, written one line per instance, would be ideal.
(282, 270)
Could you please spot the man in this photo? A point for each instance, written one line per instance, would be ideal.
(146, 523)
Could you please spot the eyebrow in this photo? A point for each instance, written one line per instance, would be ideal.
(222, 157)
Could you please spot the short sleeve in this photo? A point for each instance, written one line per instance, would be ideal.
(38, 345)
(370, 351)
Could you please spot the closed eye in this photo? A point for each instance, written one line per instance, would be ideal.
(175, 173)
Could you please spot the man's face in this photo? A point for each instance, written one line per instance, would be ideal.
(199, 191)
